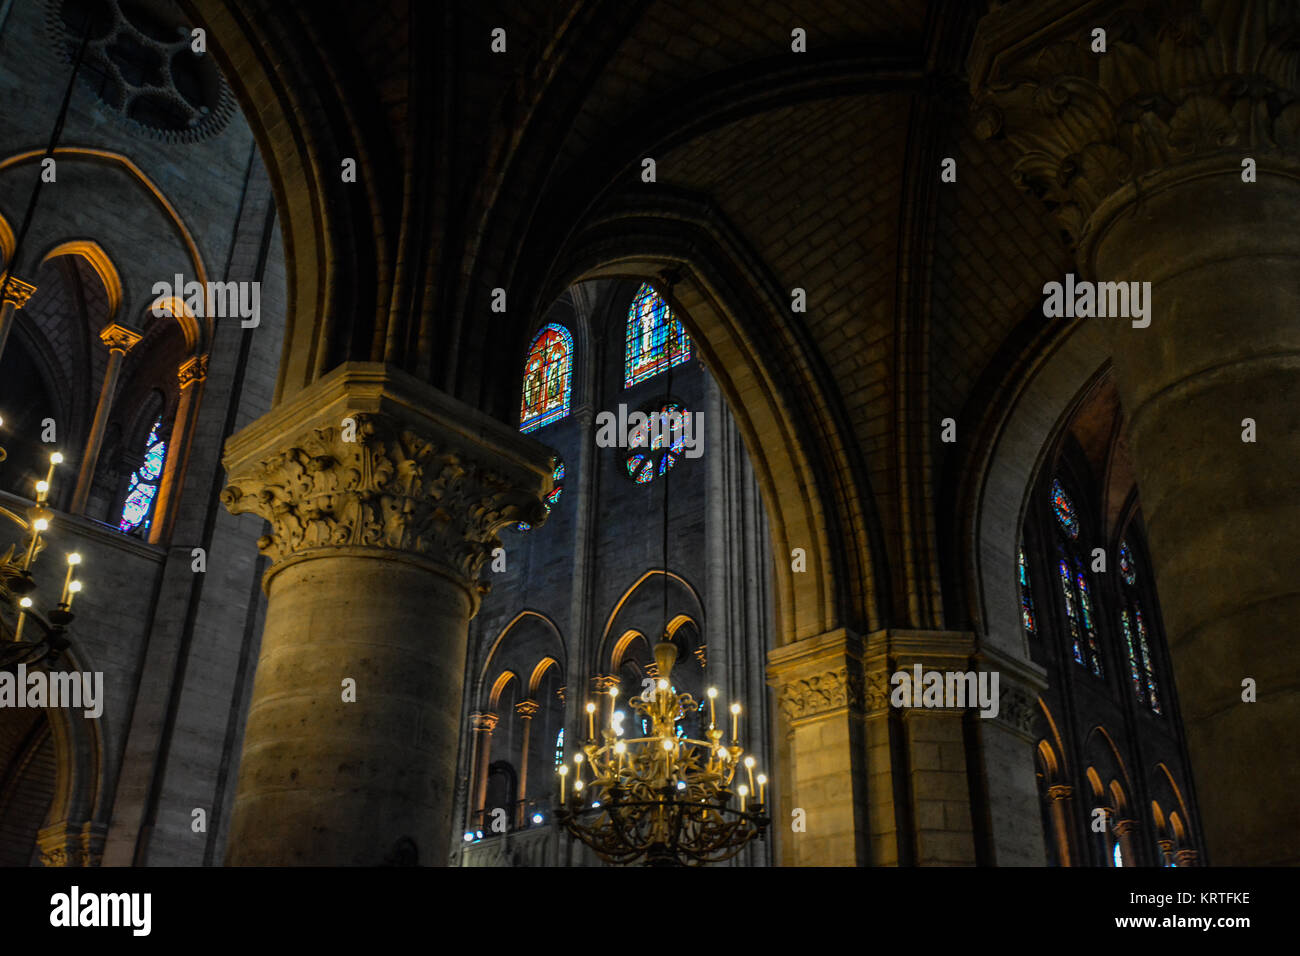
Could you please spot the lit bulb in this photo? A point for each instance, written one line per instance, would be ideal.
(722, 753)
(749, 762)
(613, 691)
(668, 745)
(663, 685)
(681, 784)
(74, 558)
(577, 758)
(25, 602)
(75, 587)
(595, 804)
(735, 708)
(537, 818)
(469, 837)
(41, 524)
(56, 459)
(713, 692)
(42, 486)
(577, 785)
(620, 748)
(564, 769)
(591, 708)
(743, 790)
(762, 779)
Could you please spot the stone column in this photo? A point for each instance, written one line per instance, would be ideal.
(527, 710)
(1166, 851)
(384, 497)
(1174, 159)
(484, 724)
(190, 377)
(819, 693)
(1062, 796)
(13, 297)
(119, 340)
(1187, 858)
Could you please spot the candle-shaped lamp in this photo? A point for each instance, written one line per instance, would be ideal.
(73, 589)
(749, 769)
(744, 792)
(591, 721)
(762, 787)
(713, 695)
(564, 773)
(735, 722)
(74, 559)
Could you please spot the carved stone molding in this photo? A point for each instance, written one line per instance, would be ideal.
(1179, 80)
(1017, 708)
(193, 370)
(370, 459)
(17, 291)
(821, 693)
(119, 338)
(877, 691)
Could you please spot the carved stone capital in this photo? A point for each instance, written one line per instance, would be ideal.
(822, 693)
(119, 338)
(17, 291)
(193, 370)
(603, 682)
(1124, 827)
(818, 676)
(527, 709)
(1060, 791)
(369, 460)
(1178, 81)
(60, 845)
(1017, 708)
(1187, 858)
(484, 723)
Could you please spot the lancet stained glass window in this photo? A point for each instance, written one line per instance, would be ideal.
(548, 378)
(1026, 598)
(137, 509)
(559, 749)
(1081, 620)
(656, 339)
(1141, 665)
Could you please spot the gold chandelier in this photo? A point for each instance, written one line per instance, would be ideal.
(33, 638)
(661, 799)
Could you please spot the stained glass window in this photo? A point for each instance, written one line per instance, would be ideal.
(548, 378)
(1126, 568)
(1071, 612)
(656, 339)
(1117, 855)
(1063, 507)
(137, 509)
(559, 748)
(557, 479)
(1141, 665)
(1085, 605)
(665, 446)
(1026, 598)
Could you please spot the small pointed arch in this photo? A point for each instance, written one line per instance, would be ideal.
(499, 653)
(185, 318)
(1157, 819)
(499, 687)
(6, 242)
(624, 646)
(539, 672)
(1048, 763)
(1094, 782)
(1055, 735)
(100, 262)
(1119, 800)
(642, 608)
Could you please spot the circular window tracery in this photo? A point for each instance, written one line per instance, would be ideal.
(665, 445)
(140, 62)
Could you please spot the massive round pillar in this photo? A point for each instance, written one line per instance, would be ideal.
(1167, 146)
(384, 498)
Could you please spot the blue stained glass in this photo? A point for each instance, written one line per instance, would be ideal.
(1134, 675)
(1117, 855)
(548, 378)
(1146, 659)
(1126, 569)
(656, 340)
(142, 488)
(1071, 615)
(559, 749)
(1026, 598)
(1085, 604)
(1063, 507)
(666, 445)
(557, 479)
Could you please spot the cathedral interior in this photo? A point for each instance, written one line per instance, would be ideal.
(334, 347)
